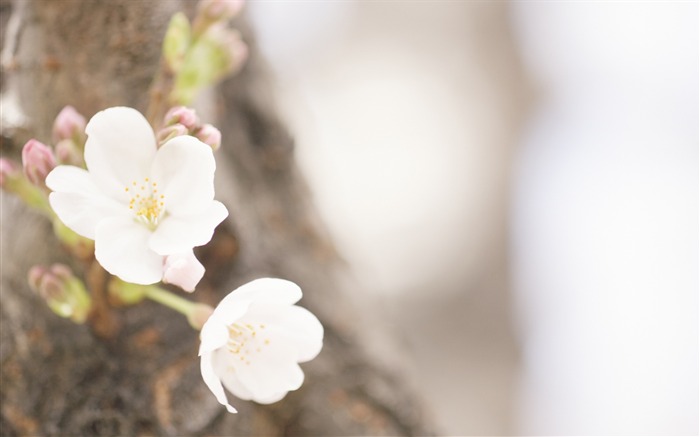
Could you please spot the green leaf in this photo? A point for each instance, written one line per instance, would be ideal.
(206, 62)
(177, 41)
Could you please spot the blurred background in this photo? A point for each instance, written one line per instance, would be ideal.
(515, 188)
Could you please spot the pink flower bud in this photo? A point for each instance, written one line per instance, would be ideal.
(209, 135)
(220, 9)
(183, 270)
(38, 161)
(67, 153)
(35, 276)
(63, 292)
(182, 115)
(170, 132)
(8, 172)
(69, 124)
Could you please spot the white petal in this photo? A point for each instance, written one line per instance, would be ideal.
(83, 213)
(184, 170)
(227, 373)
(176, 234)
(297, 327)
(212, 381)
(71, 179)
(269, 290)
(183, 270)
(230, 309)
(119, 149)
(121, 247)
(269, 372)
(214, 335)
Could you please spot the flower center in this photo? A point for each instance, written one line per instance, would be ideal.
(146, 202)
(243, 340)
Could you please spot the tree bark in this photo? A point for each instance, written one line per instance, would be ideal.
(59, 378)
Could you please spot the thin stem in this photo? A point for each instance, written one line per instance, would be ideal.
(164, 297)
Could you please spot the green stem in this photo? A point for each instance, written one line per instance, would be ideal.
(164, 297)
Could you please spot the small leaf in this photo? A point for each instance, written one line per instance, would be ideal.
(177, 41)
(205, 63)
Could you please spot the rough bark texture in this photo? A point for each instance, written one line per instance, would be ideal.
(61, 379)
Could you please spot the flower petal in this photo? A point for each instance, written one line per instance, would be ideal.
(214, 335)
(177, 234)
(183, 270)
(212, 381)
(71, 179)
(121, 247)
(297, 326)
(226, 372)
(269, 290)
(272, 370)
(119, 149)
(82, 213)
(184, 169)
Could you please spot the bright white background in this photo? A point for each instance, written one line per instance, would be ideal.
(404, 132)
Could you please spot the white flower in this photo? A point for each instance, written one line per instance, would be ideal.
(139, 203)
(254, 339)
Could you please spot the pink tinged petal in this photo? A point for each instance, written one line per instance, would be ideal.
(121, 247)
(119, 149)
(184, 170)
(183, 270)
(269, 290)
(212, 381)
(297, 326)
(178, 234)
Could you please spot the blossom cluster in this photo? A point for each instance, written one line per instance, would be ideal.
(147, 205)
(138, 199)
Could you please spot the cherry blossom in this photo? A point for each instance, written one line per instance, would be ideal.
(140, 203)
(254, 340)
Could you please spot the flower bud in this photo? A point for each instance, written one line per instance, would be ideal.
(183, 270)
(12, 180)
(68, 153)
(182, 115)
(9, 172)
(38, 161)
(209, 135)
(170, 132)
(63, 292)
(219, 10)
(69, 124)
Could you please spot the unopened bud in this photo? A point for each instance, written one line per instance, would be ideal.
(38, 161)
(170, 132)
(63, 292)
(237, 52)
(216, 10)
(182, 115)
(183, 270)
(9, 172)
(232, 48)
(67, 152)
(69, 125)
(209, 135)
(12, 180)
